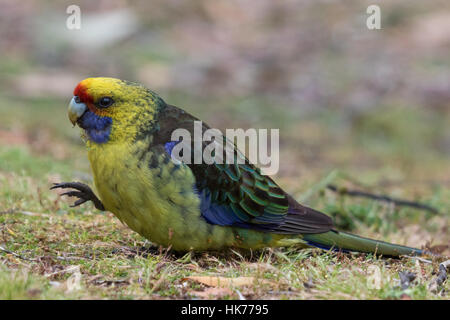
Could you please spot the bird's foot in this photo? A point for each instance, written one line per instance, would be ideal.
(83, 192)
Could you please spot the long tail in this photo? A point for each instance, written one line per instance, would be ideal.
(349, 242)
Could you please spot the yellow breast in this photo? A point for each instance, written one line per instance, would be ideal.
(146, 192)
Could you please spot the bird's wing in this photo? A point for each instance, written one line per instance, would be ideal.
(238, 194)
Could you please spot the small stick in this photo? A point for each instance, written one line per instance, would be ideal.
(15, 254)
(384, 198)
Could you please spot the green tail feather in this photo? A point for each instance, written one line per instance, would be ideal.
(350, 242)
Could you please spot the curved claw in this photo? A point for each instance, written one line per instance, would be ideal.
(78, 202)
(74, 185)
(84, 193)
(73, 194)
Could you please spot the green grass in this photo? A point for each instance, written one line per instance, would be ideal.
(20, 285)
(52, 251)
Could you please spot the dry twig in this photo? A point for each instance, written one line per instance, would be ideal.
(383, 198)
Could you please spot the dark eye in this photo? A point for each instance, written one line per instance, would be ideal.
(105, 102)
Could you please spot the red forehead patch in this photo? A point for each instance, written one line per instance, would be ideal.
(81, 92)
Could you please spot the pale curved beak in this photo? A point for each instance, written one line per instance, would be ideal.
(76, 109)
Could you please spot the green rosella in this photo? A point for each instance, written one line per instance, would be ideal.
(127, 129)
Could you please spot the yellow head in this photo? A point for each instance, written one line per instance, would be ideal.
(112, 110)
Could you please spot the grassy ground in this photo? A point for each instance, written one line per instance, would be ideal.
(49, 250)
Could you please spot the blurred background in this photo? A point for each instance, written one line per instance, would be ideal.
(373, 105)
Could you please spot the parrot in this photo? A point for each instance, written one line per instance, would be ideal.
(188, 206)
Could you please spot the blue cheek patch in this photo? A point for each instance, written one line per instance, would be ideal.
(98, 128)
